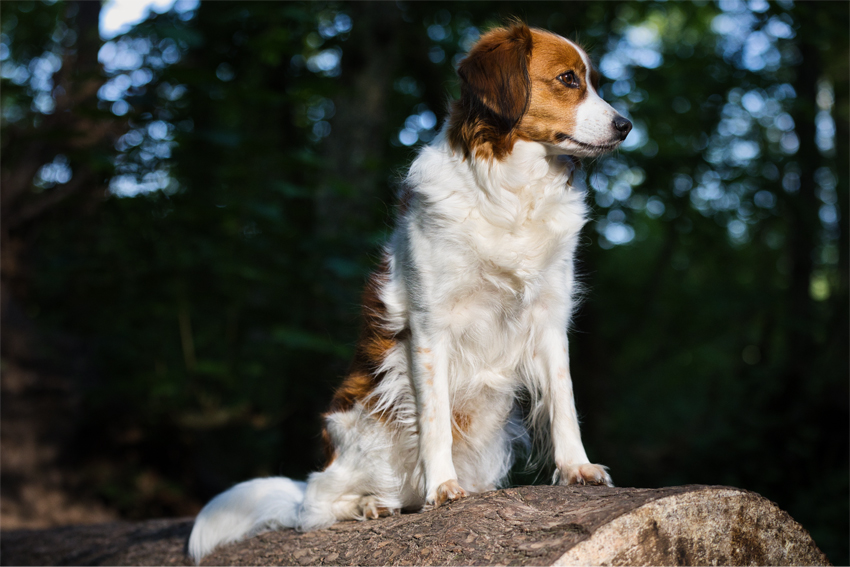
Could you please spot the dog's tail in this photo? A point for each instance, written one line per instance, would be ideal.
(246, 509)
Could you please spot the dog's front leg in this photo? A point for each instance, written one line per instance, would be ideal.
(571, 462)
(431, 380)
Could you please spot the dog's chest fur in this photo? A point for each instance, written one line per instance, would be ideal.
(487, 254)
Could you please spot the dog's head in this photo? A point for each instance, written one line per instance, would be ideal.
(520, 83)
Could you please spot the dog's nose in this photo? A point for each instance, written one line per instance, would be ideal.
(622, 126)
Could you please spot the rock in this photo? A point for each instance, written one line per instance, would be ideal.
(533, 525)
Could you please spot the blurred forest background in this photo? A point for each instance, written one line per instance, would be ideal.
(190, 209)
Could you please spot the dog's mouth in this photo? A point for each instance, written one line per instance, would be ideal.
(561, 137)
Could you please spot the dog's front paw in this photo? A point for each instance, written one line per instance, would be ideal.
(584, 474)
(446, 492)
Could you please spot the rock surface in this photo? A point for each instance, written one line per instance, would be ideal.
(534, 525)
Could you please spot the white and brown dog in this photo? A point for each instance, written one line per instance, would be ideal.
(469, 308)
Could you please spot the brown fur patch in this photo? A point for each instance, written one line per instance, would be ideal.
(494, 92)
(376, 346)
(372, 347)
(374, 343)
(460, 425)
(355, 387)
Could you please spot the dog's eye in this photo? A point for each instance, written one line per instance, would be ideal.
(569, 79)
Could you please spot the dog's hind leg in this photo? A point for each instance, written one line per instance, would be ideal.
(366, 478)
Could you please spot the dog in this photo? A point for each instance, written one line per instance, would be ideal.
(468, 310)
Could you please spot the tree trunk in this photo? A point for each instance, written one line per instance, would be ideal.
(535, 525)
(357, 150)
(39, 397)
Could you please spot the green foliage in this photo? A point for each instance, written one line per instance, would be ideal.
(218, 283)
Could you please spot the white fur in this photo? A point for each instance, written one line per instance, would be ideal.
(481, 274)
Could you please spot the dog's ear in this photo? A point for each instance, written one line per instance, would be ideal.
(496, 72)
